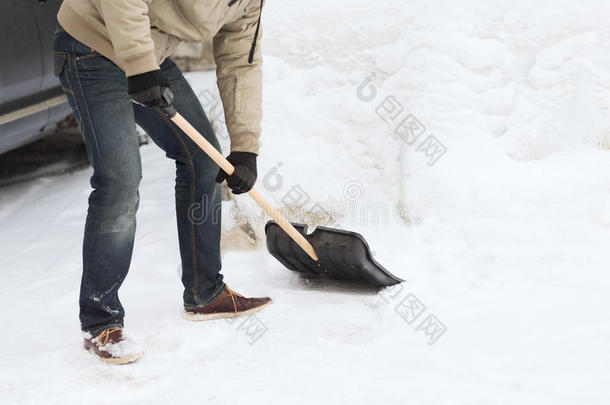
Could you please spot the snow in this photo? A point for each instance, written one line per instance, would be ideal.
(503, 239)
(126, 348)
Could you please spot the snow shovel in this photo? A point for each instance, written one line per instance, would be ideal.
(339, 255)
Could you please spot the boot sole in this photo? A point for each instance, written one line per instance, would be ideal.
(123, 360)
(222, 315)
(118, 360)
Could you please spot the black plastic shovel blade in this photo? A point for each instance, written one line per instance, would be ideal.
(343, 255)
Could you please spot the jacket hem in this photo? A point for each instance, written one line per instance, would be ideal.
(86, 32)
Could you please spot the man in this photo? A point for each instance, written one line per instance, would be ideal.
(110, 52)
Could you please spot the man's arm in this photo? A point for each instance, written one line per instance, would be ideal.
(240, 82)
(129, 29)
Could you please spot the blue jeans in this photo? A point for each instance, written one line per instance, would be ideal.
(97, 92)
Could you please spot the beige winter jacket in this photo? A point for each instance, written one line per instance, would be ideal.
(138, 35)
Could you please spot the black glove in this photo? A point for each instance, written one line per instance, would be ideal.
(244, 177)
(152, 90)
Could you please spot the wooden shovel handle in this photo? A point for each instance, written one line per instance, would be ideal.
(225, 165)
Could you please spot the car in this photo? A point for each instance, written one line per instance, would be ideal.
(32, 103)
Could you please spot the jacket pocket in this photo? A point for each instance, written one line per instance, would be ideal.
(59, 61)
(238, 97)
(247, 92)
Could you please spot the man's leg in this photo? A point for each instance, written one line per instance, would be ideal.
(198, 202)
(97, 91)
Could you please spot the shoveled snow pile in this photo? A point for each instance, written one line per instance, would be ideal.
(466, 140)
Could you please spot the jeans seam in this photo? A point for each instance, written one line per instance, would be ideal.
(99, 162)
(192, 201)
(86, 105)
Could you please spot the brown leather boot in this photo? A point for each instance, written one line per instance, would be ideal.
(228, 304)
(112, 347)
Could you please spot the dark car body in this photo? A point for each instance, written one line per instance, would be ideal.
(31, 99)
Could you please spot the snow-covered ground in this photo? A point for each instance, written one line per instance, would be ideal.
(497, 215)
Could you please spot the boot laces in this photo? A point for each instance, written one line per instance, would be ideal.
(234, 294)
(103, 337)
